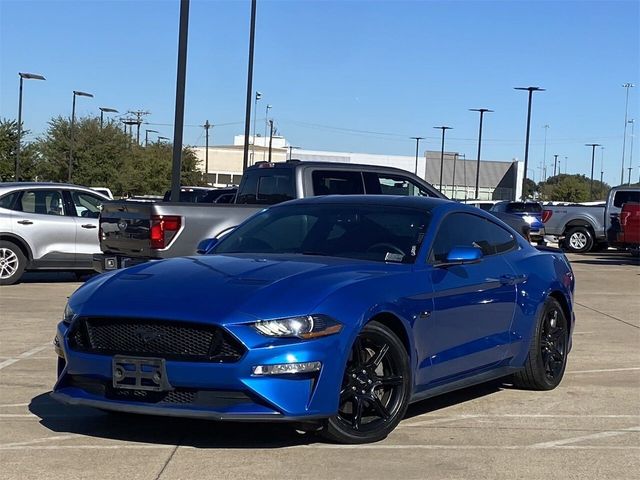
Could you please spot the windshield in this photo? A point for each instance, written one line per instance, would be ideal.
(522, 207)
(365, 232)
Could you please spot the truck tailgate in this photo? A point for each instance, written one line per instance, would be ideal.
(124, 227)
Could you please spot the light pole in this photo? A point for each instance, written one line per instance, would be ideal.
(102, 112)
(146, 136)
(291, 147)
(206, 127)
(270, 139)
(555, 164)
(566, 164)
(633, 123)
(526, 145)
(253, 141)
(627, 86)
(443, 128)
(601, 164)
(415, 171)
(453, 181)
(247, 118)
(76, 93)
(166, 139)
(593, 156)
(482, 112)
(28, 76)
(266, 126)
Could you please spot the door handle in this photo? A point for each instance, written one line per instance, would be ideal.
(88, 225)
(512, 279)
(25, 222)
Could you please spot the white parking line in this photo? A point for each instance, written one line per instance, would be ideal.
(6, 405)
(593, 436)
(24, 355)
(453, 418)
(605, 370)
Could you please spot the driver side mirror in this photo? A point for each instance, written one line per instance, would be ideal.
(461, 256)
(206, 245)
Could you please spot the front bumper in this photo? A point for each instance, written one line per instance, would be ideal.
(218, 391)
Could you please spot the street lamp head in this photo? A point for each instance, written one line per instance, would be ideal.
(592, 145)
(530, 89)
(268, 107)
(628, 85)
(444, 128)
(82, 94)
(417, 138)
(163, 138)
(481, 110)
(31, 76)
(108, 110)
(258, 95)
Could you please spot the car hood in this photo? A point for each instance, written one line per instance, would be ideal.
(222, 288)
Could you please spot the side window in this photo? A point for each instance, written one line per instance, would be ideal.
(42, 202)
(8, 200)
(327, 182)
(86, 205)
(621, 197)
(384, 184)
(466, 230)
(267, 186)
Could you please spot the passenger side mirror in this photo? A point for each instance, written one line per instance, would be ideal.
(461, 256)
(206, 245)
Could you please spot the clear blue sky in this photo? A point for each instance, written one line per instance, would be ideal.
(391, 67)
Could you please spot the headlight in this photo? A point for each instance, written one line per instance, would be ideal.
(308, 326)
(68, 314)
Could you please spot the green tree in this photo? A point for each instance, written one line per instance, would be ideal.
(109, 157)
(8, 145)
(572, 188)
(530, 188)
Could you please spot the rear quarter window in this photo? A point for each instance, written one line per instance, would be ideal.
(8, 201)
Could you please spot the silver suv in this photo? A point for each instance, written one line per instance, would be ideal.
(47, 226)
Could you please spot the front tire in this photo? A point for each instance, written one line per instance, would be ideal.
(578, 240)
(12, 263)
(375, 389)
(547, 359)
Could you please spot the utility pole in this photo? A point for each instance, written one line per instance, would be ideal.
(270, 138)
(138, 121)
(291, 147)
(206, 126)
(633, 123)
(453, 181)
(555, 165)
(593, 156)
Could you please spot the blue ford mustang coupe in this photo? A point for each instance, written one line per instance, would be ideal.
(335, 312)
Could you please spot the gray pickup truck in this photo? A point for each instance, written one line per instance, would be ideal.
(582, 228)
(135, 232)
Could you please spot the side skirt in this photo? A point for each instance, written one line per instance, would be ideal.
(463, 383)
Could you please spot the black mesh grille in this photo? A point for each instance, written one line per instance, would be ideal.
(165, 339)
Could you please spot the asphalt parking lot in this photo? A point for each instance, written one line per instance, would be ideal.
(588, 428)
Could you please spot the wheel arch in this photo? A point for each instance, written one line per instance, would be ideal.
(20, 242)
(396, 325)
(562, 300)
(580, 222)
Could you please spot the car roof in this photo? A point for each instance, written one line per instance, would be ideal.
(381, 200)
(11, 186)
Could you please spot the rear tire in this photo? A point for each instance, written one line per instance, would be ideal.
(547, 359)
(578, 240)
(12, 263)
(375, 389)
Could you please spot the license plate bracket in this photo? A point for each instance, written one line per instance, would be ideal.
(140, 373)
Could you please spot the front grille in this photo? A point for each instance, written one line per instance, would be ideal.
(160, 338)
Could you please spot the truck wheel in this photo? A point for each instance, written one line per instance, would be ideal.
(578, 240)
(12, 263)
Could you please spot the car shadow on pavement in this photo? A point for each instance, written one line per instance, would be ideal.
(197, 433)
(601, 258)
(56, 277)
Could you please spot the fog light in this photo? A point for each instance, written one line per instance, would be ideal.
(286, 368)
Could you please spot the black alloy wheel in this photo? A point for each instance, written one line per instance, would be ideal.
(375, 389)
(547, 359)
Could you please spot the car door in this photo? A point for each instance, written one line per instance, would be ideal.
(85, 208)
(473, 304)
(41, 218)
